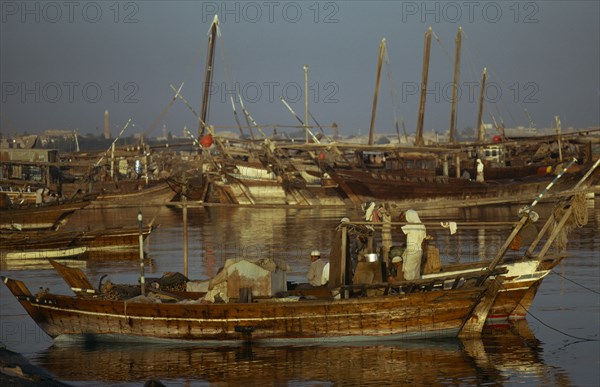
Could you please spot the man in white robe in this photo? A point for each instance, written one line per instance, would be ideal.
(318, 273)
(479, 171)
(415, 234)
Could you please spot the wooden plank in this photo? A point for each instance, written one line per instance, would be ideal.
(75, 278)
(474, 323)
(16, 287)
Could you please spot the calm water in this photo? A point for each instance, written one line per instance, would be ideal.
(551, 347)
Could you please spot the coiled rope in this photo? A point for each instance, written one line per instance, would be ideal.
(578, 218)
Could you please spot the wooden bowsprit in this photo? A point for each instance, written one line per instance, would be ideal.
(560, 224)
(525, 216)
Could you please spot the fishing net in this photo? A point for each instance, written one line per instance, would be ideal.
(169, 282)
(578, 218)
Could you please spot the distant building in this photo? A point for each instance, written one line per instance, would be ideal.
(520, 131)
(106, 125)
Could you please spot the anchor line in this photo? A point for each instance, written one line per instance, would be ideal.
(544, 324)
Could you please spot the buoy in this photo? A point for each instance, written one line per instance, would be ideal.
(497, 138)
(321, 156)
(206, 141)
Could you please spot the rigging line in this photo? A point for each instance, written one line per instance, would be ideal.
(471, 68)
(471, 65)
(393, 91)
(502, 86)
(187, 74)
(543, 323)
(499, 115)
(160, 117)
(437, 39)
(224, 59)
(578, 284)
(558, 330)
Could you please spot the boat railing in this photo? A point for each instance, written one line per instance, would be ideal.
(467, 280)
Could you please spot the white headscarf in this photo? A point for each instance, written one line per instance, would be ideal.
(412, 216)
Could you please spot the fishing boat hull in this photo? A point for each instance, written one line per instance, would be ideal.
(65, 252)
(441, 313)
(157, 194)
(519, 285)
(511, 297)
(116, 242)
(42, 217)
(362, 186)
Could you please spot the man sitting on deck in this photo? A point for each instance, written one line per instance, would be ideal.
(318, 274)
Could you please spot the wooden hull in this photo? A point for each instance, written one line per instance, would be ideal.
(158, 194)
(439, 313)
(253, 184)
(515, 295)
(66, 252)
(54, 244)
(196, 188)
(39, 264)
(20, 197)
(11, 240)
(511, 297)
(362, 186)
(521, 309)
(43, 217)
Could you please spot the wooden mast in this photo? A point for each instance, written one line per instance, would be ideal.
(480, 129)
(382, 49)
(457, 44)
(210, 60)
(306, 102)
(558, 139)
(419, 132)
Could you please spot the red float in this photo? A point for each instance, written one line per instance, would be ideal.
(206, 141)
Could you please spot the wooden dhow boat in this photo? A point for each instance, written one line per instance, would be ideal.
(62, 252)
(104, 243)
(157, 193)
(428, 311)
(47, 216)
(404, 175)
(523, 274)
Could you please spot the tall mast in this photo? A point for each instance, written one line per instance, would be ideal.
(558, 140)
(457, 43)
(210, 60)
(419, 132)
(306, 101)
(382, 48)
(480, 131)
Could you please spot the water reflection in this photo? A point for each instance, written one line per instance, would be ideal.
(516, 354)
(508, 354)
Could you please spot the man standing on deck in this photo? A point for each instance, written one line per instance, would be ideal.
(415, 234)
(479, 171)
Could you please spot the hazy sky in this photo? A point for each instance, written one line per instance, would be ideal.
(64, 63)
